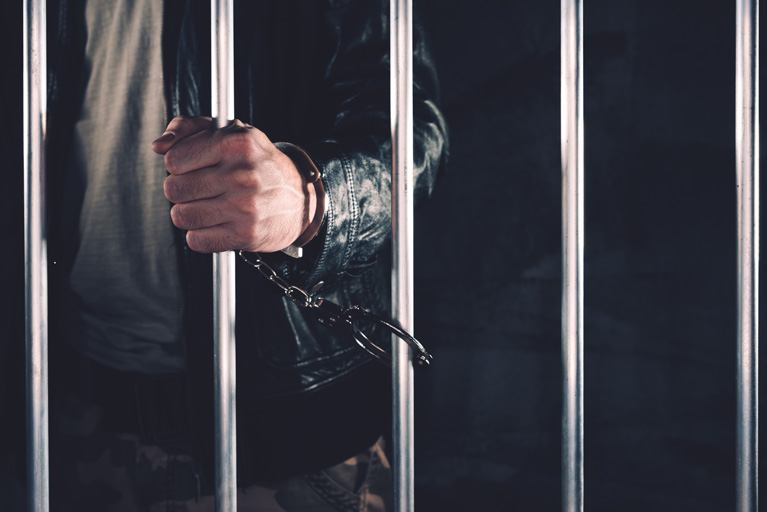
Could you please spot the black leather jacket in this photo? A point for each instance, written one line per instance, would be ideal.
(314, 73)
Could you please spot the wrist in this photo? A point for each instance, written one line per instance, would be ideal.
(315, 197)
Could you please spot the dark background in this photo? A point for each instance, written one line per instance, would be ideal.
(660, 347)
(660, 290)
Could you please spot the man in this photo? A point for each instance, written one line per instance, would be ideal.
(131, 338)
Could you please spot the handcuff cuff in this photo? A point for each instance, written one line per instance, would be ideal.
(346, 320)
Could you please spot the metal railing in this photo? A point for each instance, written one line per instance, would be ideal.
(571, 82)
(224, 359)
(747, 170)
(401, 51)
(36, 254)
(222, 78)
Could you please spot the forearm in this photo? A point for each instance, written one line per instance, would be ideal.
(355, 156)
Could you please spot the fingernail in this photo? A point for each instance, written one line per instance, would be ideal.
(166, 137)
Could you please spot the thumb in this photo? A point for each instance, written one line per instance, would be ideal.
(179, 128)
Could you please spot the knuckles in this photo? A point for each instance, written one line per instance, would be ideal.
(171, 189)
(235, 144)
(233, 236)
(180, 124)
(198, 242)
(245, 178)
(172, 161)
(242, 147)
(188, 187)
(190, 216)
(207, 242)
(177, 217)
(248, 168)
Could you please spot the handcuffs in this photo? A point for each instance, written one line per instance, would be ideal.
(346, 320)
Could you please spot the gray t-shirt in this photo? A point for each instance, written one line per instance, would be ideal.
(125, 307)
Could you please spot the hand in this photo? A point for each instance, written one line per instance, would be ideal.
(232, 188)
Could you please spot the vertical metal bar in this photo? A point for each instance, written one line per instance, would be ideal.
(572, 254)
(747, 171)
(222, 80)
(401, 51)
(36, 254)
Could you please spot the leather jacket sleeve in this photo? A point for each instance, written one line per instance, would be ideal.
(355, 156)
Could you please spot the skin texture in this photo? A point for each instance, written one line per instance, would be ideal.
(232, 188)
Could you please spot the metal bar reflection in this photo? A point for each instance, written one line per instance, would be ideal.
(401, 51)
(747, 171)
(222, 80)
(571, 80)
(36, 254)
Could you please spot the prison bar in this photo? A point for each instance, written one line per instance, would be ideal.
(401, 51)
(35, 254)
(747, 172)
(222, 102)
(571, 80)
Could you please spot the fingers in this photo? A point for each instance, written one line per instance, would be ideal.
(213, 239)
(220, 224)
(200, 214)
(236, 144)
(203, 184)
(226, 237)
(209, 225)
(195, 152)
(232, 188)
(178, 129)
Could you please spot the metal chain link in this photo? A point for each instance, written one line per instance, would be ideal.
(334, 316)
(295, 294)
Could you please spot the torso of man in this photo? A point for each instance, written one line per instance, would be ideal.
(123, 308)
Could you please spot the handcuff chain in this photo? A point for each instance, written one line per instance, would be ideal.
(295, 294)
(338, 314)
